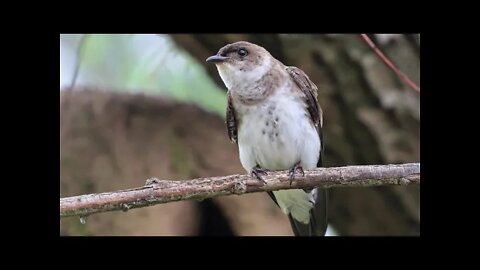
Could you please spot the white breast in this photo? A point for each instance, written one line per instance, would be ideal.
(278, 133)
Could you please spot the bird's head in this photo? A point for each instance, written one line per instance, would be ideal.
(241, 63)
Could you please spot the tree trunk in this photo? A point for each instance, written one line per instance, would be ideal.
(370, 116)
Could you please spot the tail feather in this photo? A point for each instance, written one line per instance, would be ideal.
(318, 216)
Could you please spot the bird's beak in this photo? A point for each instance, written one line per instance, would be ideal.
(216, 59)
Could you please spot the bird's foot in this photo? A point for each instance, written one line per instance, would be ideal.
(293, 170)
(257, 172)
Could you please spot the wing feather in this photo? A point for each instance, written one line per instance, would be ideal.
(231, 119)
(309, 90)
(319, 214)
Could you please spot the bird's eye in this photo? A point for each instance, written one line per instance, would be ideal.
(242, 52)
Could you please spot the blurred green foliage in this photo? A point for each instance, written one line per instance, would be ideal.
(140, 63)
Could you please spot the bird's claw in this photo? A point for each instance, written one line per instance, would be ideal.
(257, 172)
(293, 170)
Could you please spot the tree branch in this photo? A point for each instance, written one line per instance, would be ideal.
(389, 63)
(78, 59)
(162, 191)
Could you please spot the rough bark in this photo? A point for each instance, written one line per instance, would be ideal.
(158, 191)
(370, 116)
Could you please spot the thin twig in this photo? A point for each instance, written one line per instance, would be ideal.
(389, 63)
(78, 59)
(162, 191)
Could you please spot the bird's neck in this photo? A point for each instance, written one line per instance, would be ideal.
(257, 91)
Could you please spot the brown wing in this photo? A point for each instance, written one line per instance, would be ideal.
(310, 91)
(231, 119)
(319, 214)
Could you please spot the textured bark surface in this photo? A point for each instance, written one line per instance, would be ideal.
(158, 191)
(370, 116)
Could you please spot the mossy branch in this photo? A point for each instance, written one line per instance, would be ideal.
(162, 191)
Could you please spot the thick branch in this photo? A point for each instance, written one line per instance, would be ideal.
(162, 191)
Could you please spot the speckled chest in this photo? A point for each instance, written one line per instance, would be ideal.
(272, 131)
(269, 121)
(262, 121)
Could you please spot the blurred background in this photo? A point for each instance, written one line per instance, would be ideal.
(139, 106)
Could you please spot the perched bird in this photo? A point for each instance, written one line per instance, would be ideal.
(274, 117)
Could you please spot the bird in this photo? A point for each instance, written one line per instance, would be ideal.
(274, 117)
